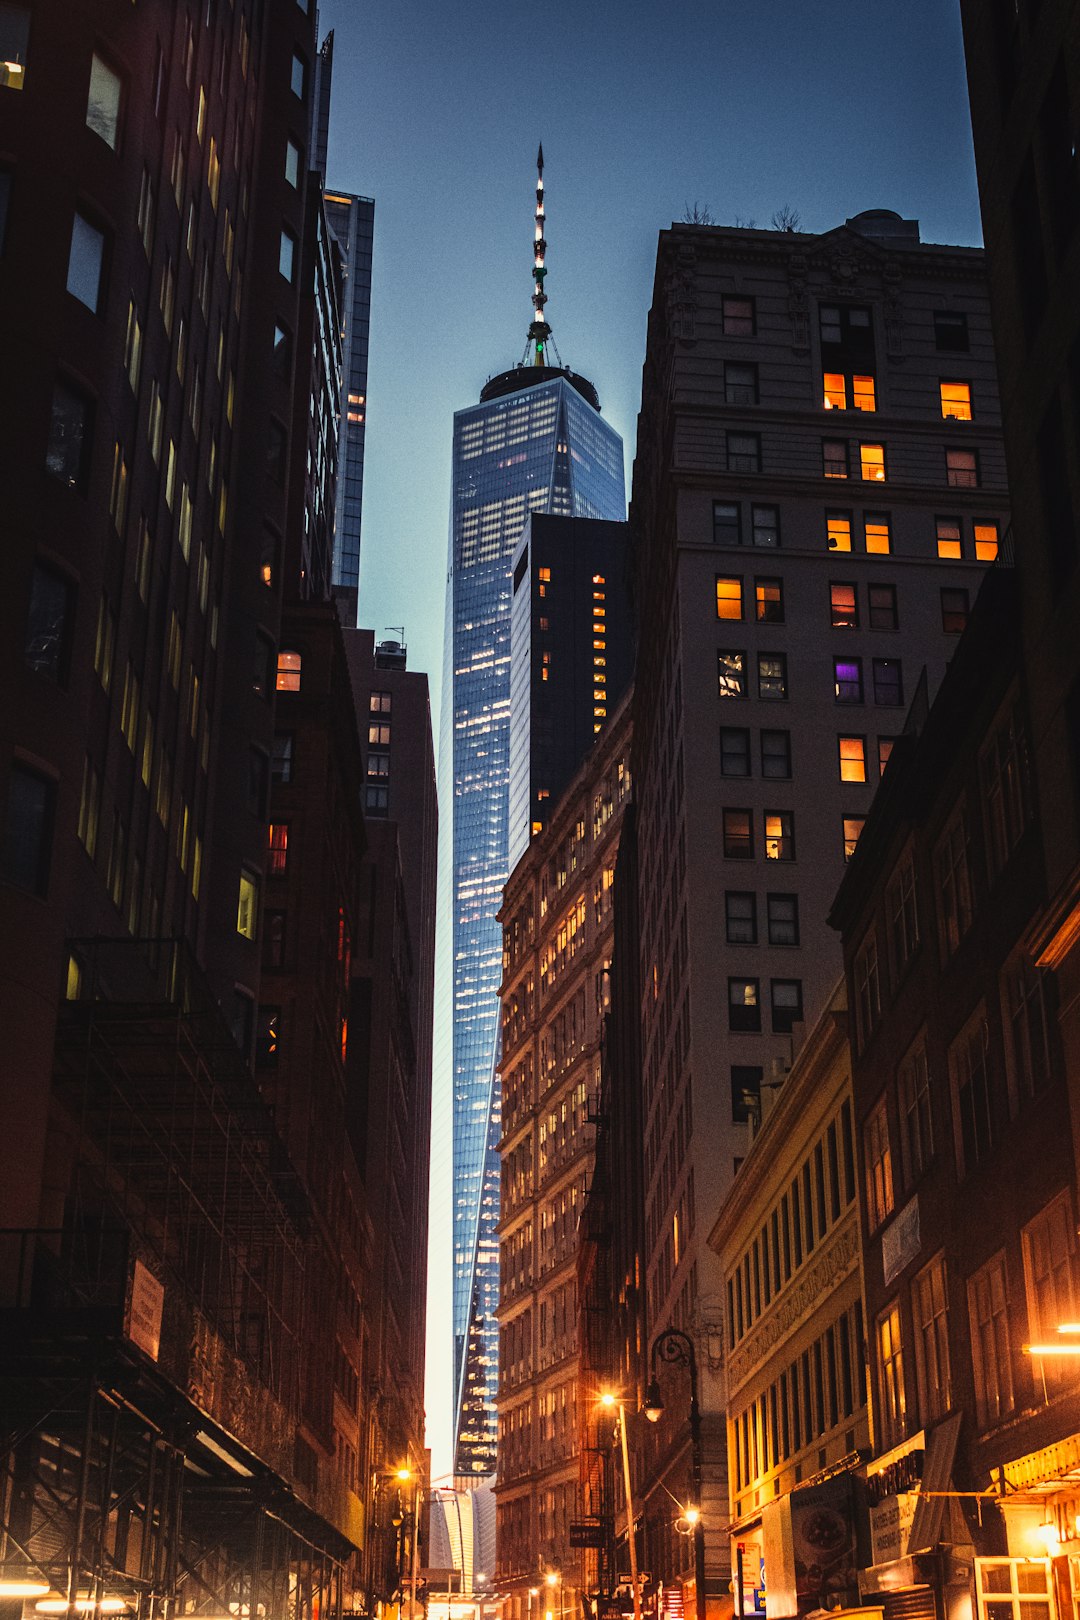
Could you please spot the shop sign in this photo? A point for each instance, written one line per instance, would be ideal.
(893, 1489)
(143, 1325)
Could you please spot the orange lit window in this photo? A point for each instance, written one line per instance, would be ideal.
(288, 671)
(598, 579)
(729, 598)
(835, 391)
(878, 536)
(986, 541)
(948, 538)
(852, 759)
(839, 527)
(956, 400)
(862, 394)
(600, 644)
(543, 573)
(872, 462)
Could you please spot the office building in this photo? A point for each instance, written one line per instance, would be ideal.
(818, 487)
(352, 220)
(535, 442)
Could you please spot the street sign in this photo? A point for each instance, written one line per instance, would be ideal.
(590, 1532)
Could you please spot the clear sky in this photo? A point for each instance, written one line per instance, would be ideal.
(825, 106)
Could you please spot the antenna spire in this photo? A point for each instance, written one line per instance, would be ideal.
(539, 330)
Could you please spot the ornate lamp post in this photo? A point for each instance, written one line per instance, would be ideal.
(676, 1347)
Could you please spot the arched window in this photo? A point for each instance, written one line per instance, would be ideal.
(288, 671)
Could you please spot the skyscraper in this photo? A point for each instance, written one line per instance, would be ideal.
(535, 443)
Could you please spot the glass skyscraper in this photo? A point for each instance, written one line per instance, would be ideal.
(536, 442)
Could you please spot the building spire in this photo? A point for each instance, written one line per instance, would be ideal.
(539, 330)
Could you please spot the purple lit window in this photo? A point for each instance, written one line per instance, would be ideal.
(847, 675)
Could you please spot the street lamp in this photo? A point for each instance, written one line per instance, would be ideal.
(609, 1400)
(677, 1348)
(406, 1474)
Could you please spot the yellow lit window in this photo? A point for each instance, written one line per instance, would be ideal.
(948, 538)
(986, 541)
(600, 713)
(729, 598)
(247, 906)
(862, 394)
(73, 986)
(872, 462)
(956, 400)
(878, 538)
(213, 172)
(852, 759)
(835, 391)
(839, 527)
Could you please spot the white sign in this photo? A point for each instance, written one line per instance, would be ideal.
(144, 1311)
(900, 1241)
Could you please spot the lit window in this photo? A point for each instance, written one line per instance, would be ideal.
(838, 527)
(213, 172)
(962, 469)
(769, 601)
(731, 674)
(14, 36)
(956, 400)
(835, 390)
(891, 1365)
(729, 598)
(288, 671)
(991, 1341)
(872, 463)
(86, 262)
(986, 542)
(247, 905)
(738, 317)
(852, 759)
(877, 532)
(843, 607)
(772, 675)
(948, 538)
(847, 680)
(779, 835)
(744, 1006)
(278, 847)
(834, 458)
(863, 394)
(103, 102)
(852, 827)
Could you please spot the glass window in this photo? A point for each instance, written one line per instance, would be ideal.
(852, 827)
(289, 665)
(744, 452)
(954, 610)
(834, 458)
(867, 991)
(986, 542)
(852, 759)
(872, 463)
(838, 528)
(738, 835)
(950, 331)
(882, 603)
(727, 523)
(783, 915)
(378, 767)
(745, 1092)
(376, 800)
(863, 393)
(766, 525)
(67, 452)
(86, 262)
(287, 254)
(298, 75)
(879, 1176)
(847, 680)
(731, 674)
(962, 468)
(14, 38)
(916, 1120)
(738, 317)
(787, 1008)
(734, 751)
(973, 1107)
(884, 749)
(278, 848)
(740, 384)
(247, 905)
(772, 675)
(740, 910)
(902, 917)
(843, 606)
(48, 624)
(744, 1006)
(779, 835)
(877, 533)
(282, 354)
(891, 1368)
(103, 102)
(991, 1343)
(729, 597)
(835, 391)
(769, 601)
(888, 681)
(949, 543)
(776, 755)
(28, 824)
(281, 763)
(292, 162)
(953, 874)
(956, 400)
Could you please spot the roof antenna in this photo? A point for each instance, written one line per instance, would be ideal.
(539, 330)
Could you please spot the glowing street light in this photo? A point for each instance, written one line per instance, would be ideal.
(610, 1400)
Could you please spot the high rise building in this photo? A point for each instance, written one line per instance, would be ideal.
(535, 442)
(352, 220)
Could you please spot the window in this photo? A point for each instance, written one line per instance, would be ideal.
(847, 680)
(287, 255)
(843, 606)
(282, 352)
(14, 37)
(103, 102)
(277, 446)
(848, 390)
(872, 463)
(952, 868)
(956, 400)
(877, 533)
(962, 469)
(950, 331)
(1050, 1281)
(740, 913)
(292, 162)
(745, 1092)
(902, 915)
(86, 263)
(263, 664)
(731, 674)
(1025, 1015)
(879, 1178)
(378, 767)
(729, 604)
(378, 734)
(765, 525)
(787, 1009)
(734, 751)
(972, 1108)
(48, 624)
(738, 317)
(949, 543)
(779, 835)
(845, 327)
(744, 452)
(298, 75)
(834, 458)
(738, 835)
(888, 681)
(769, 601)
(988, 1320)
(852, 758)
(67, 451)
(247, 905)
(891, 1366)
(727, 523)
(776, 755)
(28, 828)
(867, 991)
(884, 750)
(986, 542)
(1005, 790)
(852, 828)
(289, 665)
(838, 530)
(744, 1006)
(376, 800)
(281, 762)
(916, 1121)
(278, 848)
(772, 675)
(782, 911)
(954, 610)
(740, 384)
(882, 603)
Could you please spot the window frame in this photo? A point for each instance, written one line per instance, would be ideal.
(750, 1024)
(843, 585)
(730, 319)
(732, 921)
(736, 845)
(727, 733)
(723, 692)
